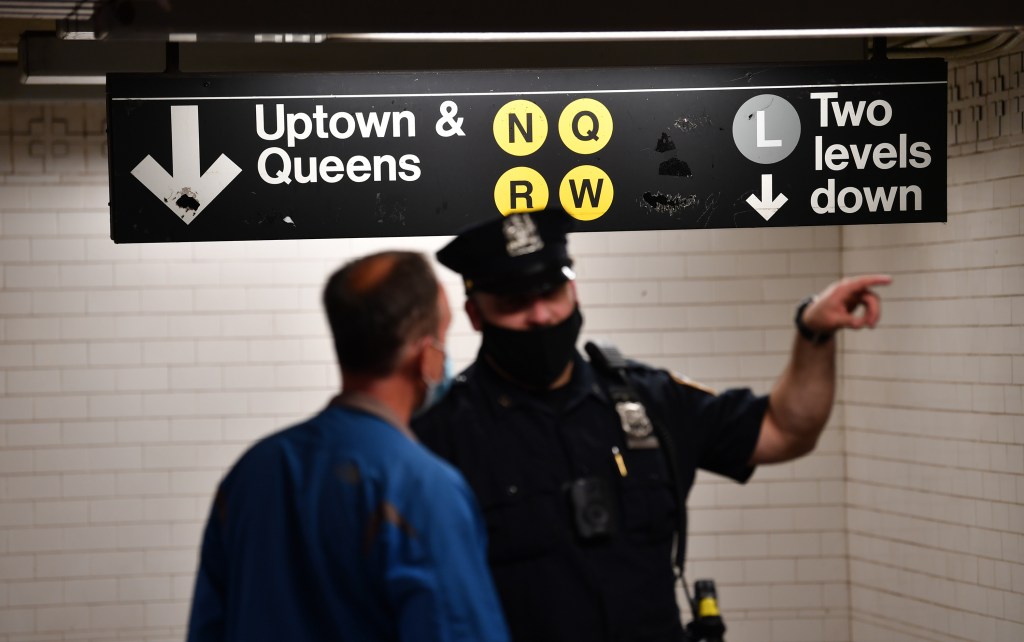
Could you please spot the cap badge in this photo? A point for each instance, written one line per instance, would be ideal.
(521, 236)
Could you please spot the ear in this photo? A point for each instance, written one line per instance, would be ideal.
(473, 311)
(414, 362)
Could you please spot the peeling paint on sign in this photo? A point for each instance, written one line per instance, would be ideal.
(675, 167)
(669, 204)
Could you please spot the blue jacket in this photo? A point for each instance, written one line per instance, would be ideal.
(344, 528)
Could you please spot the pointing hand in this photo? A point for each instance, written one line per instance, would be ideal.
(848, 303)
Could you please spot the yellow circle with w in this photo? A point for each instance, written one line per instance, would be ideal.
(586, 192)
(520, 127)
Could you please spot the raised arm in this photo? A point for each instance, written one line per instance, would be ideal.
(802, 397)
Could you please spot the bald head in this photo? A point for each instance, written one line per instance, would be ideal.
(376, 305)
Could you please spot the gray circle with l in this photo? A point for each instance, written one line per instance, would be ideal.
(766, 129)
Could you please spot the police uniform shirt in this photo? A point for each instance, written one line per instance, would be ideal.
(344, 528)
(519, 451)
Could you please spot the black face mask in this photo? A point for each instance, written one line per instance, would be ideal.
(533, 357)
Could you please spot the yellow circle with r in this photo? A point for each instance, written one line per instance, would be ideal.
(520, 189)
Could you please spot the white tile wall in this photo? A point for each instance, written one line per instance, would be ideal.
(934, 425)
(132, 376)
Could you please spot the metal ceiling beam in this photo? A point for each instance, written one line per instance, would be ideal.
(243, 18)
(45, 58)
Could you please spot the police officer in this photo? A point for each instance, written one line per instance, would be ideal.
(581, 501)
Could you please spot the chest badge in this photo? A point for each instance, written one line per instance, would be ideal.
(637, 426)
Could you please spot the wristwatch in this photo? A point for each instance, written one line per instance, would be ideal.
(815, 337)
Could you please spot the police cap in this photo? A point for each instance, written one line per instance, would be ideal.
(519, 253)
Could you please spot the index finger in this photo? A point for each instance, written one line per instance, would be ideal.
(858, 283)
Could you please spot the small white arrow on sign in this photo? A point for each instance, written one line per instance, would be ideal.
(766, 206)
(184, 191)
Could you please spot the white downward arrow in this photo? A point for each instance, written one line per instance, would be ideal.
(184, 191)
(766, 206)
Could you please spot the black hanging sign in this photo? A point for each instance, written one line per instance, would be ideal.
(273, 156)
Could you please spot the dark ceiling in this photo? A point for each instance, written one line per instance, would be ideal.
(74, 40)
(134, 18)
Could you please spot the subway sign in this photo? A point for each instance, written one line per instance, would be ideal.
(275, 156)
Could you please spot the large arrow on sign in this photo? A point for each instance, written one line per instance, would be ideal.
(766, 206)
(184, 191)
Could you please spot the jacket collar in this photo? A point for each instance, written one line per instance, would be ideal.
(372, 406)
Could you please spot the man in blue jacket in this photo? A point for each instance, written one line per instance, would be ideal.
(344, 527)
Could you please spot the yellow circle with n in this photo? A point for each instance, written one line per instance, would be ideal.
(520, 127)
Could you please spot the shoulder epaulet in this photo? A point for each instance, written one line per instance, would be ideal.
(686, 381)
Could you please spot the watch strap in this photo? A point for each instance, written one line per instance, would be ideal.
(815, 337)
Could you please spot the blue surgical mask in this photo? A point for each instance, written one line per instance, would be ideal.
(437, 389)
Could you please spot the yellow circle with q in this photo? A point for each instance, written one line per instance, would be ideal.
(585, 126)
(586, 192)
(520, 127)
(520, 189)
